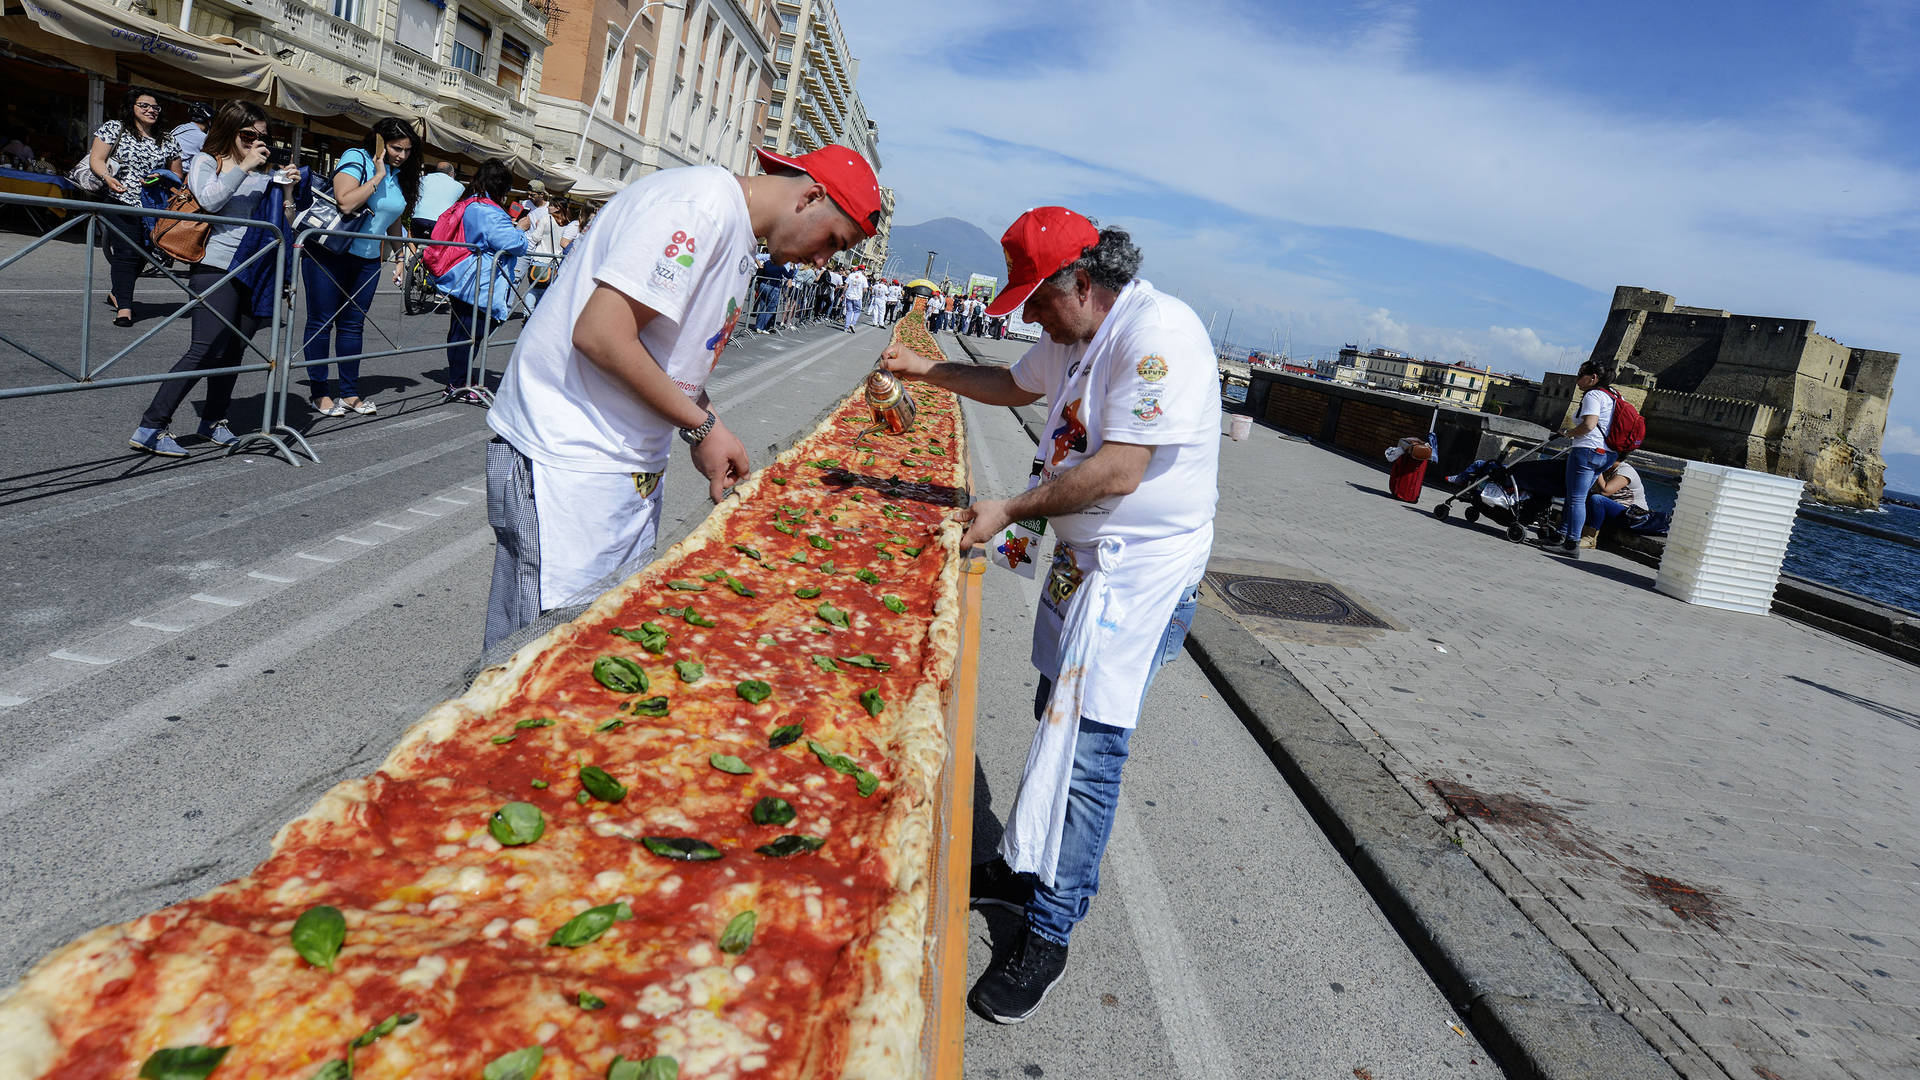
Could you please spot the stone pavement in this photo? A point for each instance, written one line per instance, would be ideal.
(1712, 814)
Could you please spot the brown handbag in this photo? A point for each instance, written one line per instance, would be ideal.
(183, 240)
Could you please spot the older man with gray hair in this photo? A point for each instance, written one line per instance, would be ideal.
(1126, 471)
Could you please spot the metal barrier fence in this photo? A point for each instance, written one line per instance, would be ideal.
(110, 216)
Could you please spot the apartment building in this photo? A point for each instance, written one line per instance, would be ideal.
(630, 87)
(814, 102)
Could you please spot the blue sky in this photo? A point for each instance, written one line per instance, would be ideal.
(1466, 181)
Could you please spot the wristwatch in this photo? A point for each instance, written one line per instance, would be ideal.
(693, 435)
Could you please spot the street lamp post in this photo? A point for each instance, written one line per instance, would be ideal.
(606, 72)
(721, 141)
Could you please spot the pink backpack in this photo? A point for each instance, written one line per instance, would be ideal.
(451, 225)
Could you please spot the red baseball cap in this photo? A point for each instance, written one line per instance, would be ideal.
(848, 178)
(1037, 245)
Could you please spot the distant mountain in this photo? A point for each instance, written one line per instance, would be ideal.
(1903, 472)
(960, 248)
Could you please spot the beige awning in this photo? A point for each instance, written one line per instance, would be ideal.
(103, 26)
(308, 94)
(585, 185)
(450, 136)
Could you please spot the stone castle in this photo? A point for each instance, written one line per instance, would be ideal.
(1752, 391)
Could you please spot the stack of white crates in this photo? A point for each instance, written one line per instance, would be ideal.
(1729, 537)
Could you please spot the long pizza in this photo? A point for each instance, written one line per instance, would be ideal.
(687, 834)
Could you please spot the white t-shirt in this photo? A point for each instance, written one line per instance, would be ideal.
(1595, 403)
(679, 242)
(568, 234)
(1636, 492)
(856, 285)
(1148, 377)
(190, 138)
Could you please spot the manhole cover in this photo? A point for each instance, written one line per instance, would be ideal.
(1292, 599)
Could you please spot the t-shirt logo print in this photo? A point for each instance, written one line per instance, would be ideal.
(680, 249)
(1148, 409)
(1015, 549)
(1070, 436)
(717, 344)
(1152, 367)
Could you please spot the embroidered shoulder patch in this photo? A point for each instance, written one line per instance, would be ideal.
(1152, 367)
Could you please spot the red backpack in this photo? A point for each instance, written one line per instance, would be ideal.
(1625, 432)
(451, 225)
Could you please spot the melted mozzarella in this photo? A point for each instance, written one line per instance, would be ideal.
(422, 975)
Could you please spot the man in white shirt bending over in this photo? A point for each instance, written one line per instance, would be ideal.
(1126, 471)
(615, 361)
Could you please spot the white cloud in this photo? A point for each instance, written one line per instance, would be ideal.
(1351, 131)
(1901, 439)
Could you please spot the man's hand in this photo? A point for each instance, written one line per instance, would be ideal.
(985, 520)
(905, 362)
(722, 459)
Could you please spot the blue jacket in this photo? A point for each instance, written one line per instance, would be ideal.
(490, 229)
(258, 278)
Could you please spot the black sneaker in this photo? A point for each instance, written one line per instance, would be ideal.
(996, 883)
(1014, 986)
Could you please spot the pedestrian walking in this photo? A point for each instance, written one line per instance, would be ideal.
(935, 305)
(478, 284)
(616, 363)
(543, 248)
(382, 177)
(439, 190)
(228, 178)
(1126, 473)
(856, 290)
(192, 135)
(124, 152)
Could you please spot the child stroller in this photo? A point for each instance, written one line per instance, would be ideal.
(1517, 494)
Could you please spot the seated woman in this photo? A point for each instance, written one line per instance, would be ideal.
(486, 225)
(1617, 496)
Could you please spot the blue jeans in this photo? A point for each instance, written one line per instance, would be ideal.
(463, 323)
(339, 290)
(1584, 463)
(1603, 512)
(766, 297)
(1093, 796)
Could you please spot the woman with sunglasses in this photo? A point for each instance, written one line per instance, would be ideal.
(125, 152)
(229, 177)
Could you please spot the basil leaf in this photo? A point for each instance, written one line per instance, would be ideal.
(830, 614)
(727, 763)
(501, 740)
(791, 844)
(690, 671)
(765, 640)
(807, 593)
(536, 722)
(867, 576)
(651, 636)
(783, 527)
(590, 1001)
(826, 663)
(694, 618)
(520, 1064)
(865, 783)
(517, 823)
(318, 934)
(712, 575)
(784, 734)
(737, 938)
(681, 848)
(772, 811)
(611, 725)
(739, 588)
(826, 463)
(183, 1062)
(754, 691)
(685, 586)
(677, 612)
(798, 557)
(827, 567)
(751, 553)
(621, 675)
(381, 1030)
(582, 798)
(894, 604)
(818, 541)
(653, 706)
(586, 927)
(540, 785)
(781, 480)
(337, 1069)
(887, 555)
(912, 552)
(660, 1067)
(601, 785)
(866, 660)
(871, 701)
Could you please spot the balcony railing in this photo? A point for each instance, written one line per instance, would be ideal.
(461, 85)
(307, 27)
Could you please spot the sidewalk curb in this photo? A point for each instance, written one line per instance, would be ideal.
(1533, 1011)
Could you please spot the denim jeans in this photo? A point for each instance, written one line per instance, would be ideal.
(1583, 464)
(1603, 512)
(214, 345)
(464, 321)
(766, 299)
(1093, 796)
(339, 291)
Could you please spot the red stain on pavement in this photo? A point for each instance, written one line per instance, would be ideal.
(1691, 904)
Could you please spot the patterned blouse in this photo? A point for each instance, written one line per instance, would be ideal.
(134, 158)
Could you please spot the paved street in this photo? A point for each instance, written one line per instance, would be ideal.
(196, 650)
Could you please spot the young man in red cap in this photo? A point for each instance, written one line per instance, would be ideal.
(1126, 471)
(615, 360)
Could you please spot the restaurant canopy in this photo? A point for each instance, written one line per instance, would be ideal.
(103, 26)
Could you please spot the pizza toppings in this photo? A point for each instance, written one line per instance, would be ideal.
(587, 927)
(601, 785)
(590, 1001)
(516, 824)
(680, 848)
(792, 844)
(689, 671)
(620, 675)
(754, 691)
(737, 938)
(871, 701)
(727, 763)
(831, 615)
(772, 810)
(650, 636)
(660, 1067)
(865, 782)
(784, 734)
(522, 1064)
(318, 934)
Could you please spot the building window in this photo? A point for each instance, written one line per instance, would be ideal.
(470, 43)
(789, 23)
(775, 112)
(783, 54)
(780, 84)
(513, 66)
(348, 10)
(636, 97)
(419, 27)
(610, 69)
